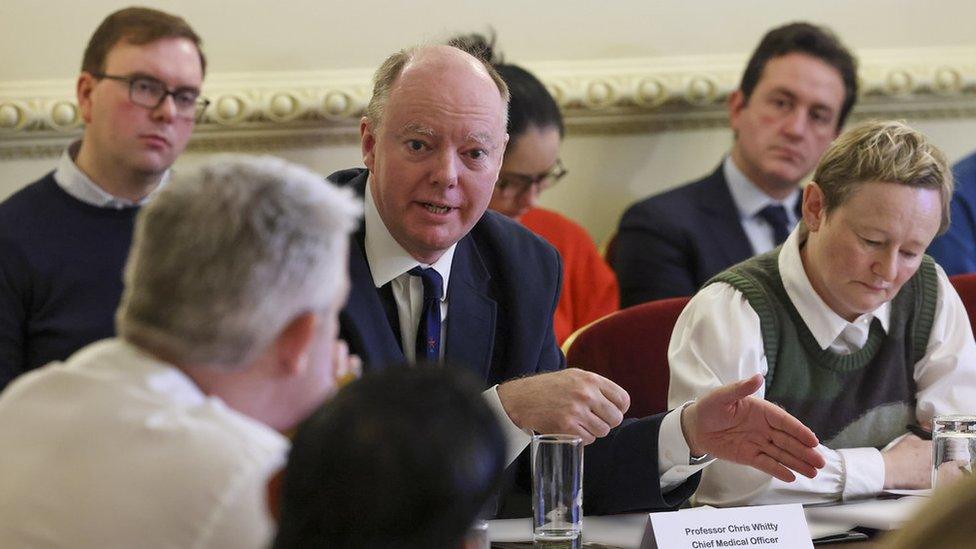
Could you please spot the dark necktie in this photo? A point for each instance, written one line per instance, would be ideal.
(429, 329)
(775, 215)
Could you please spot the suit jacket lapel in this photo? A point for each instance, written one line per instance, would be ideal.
(364, 318)
(726, 228)
(470, 311)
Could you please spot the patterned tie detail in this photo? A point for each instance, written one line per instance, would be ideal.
(429, 330)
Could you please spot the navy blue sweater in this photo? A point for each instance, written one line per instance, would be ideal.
(61, 264)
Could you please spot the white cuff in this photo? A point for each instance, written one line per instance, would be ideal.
(673, 454)
(517, 438)
(864, 472)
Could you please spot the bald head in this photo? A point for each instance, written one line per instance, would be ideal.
(433, 142)
(430, 65)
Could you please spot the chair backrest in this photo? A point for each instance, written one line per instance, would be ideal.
(630, 347)
(965, 285)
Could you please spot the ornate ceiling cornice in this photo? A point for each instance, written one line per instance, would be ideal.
(263, 111)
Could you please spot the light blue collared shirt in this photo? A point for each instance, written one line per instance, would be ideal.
(749, 199)
(74, 182)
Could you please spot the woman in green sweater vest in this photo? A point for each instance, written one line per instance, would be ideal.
(855, 330)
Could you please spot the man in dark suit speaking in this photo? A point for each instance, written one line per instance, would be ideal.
(797, 90)
(437, 279)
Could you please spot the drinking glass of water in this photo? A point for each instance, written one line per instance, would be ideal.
(557, 487)
(953, 447)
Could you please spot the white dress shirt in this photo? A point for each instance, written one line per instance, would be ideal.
(389, 262)
(718, 340)
(750, 200)
(74, 182)
(115, 448)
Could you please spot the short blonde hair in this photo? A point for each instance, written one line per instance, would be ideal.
(887, 152)
(390, 70)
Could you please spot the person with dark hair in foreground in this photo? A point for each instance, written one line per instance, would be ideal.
(403, 458)
(796, 92)
(532, 165)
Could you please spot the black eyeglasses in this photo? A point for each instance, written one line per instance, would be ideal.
(511, 185)
(150, 93)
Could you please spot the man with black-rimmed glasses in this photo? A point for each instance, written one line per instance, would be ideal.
(65, 237)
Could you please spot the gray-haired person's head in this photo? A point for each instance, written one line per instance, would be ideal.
(226, 255)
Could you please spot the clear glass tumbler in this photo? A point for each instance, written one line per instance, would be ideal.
(953, 448)
(557, 487)
(477, 537)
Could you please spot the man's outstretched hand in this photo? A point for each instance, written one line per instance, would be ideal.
(731, 425)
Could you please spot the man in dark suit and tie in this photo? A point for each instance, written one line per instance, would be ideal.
(796, 92)
(437, 279)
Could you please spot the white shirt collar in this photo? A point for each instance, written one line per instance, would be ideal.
(387, 259)
(74, 182)
(825, 325)
(749, 198)
(162, 377)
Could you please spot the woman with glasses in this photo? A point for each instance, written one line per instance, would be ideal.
(532, 165)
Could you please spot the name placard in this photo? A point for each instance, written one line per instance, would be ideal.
(764, 527)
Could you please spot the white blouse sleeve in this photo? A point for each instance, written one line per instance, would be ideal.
(718, 340)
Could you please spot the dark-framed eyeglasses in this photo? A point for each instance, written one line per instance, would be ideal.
(150, 93)
(513, 184)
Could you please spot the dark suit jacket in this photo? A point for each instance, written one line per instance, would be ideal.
(503, 291)
(670, 244)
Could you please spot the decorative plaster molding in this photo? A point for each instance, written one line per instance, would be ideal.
(263, 111)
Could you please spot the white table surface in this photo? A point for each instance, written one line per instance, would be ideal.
(626, 531)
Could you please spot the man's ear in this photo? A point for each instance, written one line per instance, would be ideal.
(367, 142)
(83, 90)
(293, 343)
(814, 208)
(735, 104)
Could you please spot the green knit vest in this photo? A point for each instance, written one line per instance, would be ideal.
(856, 400)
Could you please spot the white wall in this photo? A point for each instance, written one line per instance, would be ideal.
(44, 39)
(41, 44)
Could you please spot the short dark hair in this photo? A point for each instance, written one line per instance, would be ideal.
(530, 103)
(403, 458)
(812, 40)
(136, 26)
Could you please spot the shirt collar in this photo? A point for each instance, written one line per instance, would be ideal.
(170, 382)
(387, 259)
(74, 182)
(823, 322)
(162, 377)
(749, 198)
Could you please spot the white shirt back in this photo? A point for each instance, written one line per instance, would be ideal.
(116, 449)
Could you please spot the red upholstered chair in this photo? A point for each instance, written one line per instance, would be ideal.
(965, 285)
(630, 347)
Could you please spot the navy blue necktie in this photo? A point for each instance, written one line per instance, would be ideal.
(775, 215)
(429, 329)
